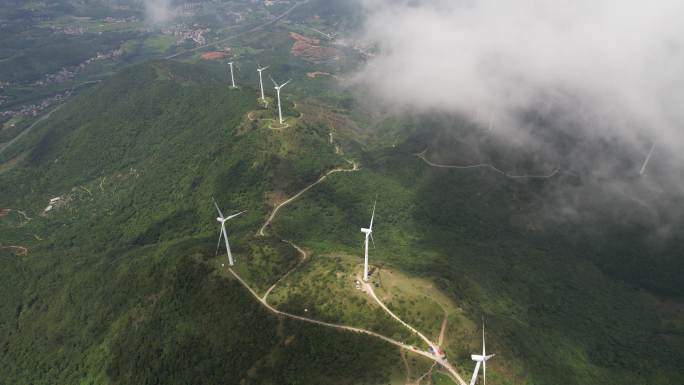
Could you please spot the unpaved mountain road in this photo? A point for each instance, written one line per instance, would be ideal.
(422, 156)
(270, 308)
(262, 230)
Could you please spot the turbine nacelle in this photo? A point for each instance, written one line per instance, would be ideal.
(366, 231)
(481, 358)
(277, 88)
(224, 219)
(222, 232)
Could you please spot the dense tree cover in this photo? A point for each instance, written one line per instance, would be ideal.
(119, 284)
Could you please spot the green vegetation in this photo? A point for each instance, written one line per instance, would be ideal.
(119, 283)
(323, 288)
(550, 311)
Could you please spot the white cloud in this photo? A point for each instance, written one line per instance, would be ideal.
(159, 11)
(622, 59)
(610, 69)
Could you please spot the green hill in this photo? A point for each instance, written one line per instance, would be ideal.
(553, 314)
(118, 284)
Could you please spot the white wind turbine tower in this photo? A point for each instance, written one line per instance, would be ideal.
(277, 88)
(232, 78)
(261, 83)
(481, 359)
(221, 219)
(369, 234)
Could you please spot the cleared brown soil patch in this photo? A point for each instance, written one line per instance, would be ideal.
(309, 48)
(316, 74)
(213, 55)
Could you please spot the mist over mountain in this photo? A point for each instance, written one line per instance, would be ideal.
(588, 86)
(429, 167)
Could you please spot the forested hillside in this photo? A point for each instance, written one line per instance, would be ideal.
(116, 284)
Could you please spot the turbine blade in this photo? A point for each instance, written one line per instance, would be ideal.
(235, 215)
(473, 379)
(484, 372)
(274, 82)
(372, 240)
(372, 216)
(218, 244)
(283, 85)
(217, 207)
(483, 340)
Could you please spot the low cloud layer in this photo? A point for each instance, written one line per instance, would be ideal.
(610, 69)
(159, 11)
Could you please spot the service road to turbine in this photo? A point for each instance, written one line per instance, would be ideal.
(369, 289)
(262, 230)
(304, 256)
(432, 357)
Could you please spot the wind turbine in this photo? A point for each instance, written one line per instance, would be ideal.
(277, 88)
(369, 234)
(232, 78)
(648, 157)
(261, 84)
(481, 359)
(221, 219)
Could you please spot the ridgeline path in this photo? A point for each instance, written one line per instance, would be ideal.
(262, 299)
(262, 230)
(304, 256)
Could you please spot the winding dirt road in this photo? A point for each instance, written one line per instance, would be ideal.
(438, 360)
(270, 308)
(263, 299)
(369, 289)
(422, 156)
(304, 256)
(262, 230)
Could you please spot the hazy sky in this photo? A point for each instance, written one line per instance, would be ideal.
(623, 59)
